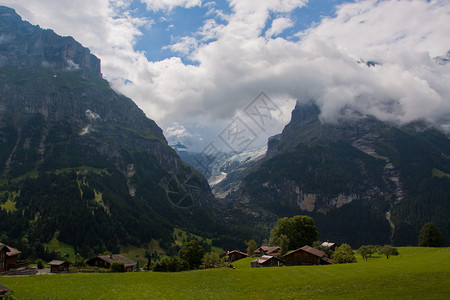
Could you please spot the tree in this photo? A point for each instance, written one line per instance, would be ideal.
(117, 266)
(211, 259)
(343, 254)
(431, 236)
(251, 247)
(284, 244)
(300, 230)
(388, 251)
(192, 252)
(366, 251)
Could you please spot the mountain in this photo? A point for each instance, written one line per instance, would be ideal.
(79, 161)
(224, 171)
(363, 180)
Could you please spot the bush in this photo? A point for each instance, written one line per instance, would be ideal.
(40, 265)
(117, 266)
(171, 264)
(343, 254)
(431, 236)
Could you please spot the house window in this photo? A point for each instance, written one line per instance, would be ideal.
(2, 255)
(2, 264)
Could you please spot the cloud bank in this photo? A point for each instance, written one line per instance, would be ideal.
(238, 54)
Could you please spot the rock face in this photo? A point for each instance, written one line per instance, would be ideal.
(361, 179)
(62, 126)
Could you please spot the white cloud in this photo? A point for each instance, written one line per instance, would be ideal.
(235, 62)
(278, 26)
(170, 4)
(177, 130)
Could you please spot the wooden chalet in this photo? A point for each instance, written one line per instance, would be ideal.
(266, 250)
(267, 261)
(105, 261)
(58, 266)
(4, 291)
(236, 255)
(306, 255)
(8, 258)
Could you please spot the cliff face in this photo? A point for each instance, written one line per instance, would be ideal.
(61, 126)
(29, 46)
(360, 178)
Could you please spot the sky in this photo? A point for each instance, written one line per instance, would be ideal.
(227, 74)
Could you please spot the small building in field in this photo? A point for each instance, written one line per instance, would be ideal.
(266, 250)
(58, 266)
(330, 245)
(267, 261)
(4, 291)
(236, 255)
(8, 258)
(306, 255)
(105, 261)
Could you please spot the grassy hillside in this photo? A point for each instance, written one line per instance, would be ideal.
(421, 273)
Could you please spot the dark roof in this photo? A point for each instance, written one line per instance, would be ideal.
(267, 249)
(57, 262)
(237, 252)
(265, 258)
(11, 251)
(117, 257)
(4, 291)
(308, 249)
(313, 251)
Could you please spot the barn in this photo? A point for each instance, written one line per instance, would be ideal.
(306, 255)
(58, 266)
(267, 261)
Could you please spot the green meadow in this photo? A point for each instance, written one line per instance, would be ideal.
(417, 273)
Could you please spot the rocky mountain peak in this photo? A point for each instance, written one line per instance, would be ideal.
(24, 46)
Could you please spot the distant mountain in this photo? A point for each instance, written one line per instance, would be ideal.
(224, 171)
(364, 181)
(80, 162)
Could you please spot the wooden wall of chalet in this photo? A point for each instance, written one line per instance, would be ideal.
(302, 258)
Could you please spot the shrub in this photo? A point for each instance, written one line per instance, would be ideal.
(117, 266)
(343, 254)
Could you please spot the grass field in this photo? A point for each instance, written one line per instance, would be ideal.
(417, 273)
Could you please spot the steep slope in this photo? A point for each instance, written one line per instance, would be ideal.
(364, 181)
(78, 160)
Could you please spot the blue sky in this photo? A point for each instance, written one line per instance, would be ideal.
(167, 26)
(194, 66)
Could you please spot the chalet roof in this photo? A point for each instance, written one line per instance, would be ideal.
(11, 251)
(313, 251)
(4, 291)
(267, 249)
(264, 258)
(327, 260)
(117, 257)
(308, 249)
(237, 252)
(57, 262)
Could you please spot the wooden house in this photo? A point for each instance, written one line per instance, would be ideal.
(236, 255)
(105, 261)
(267, 261)
(4, 291)
(306, 255)
(58, 266)
(266, 250)
(8, 258)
